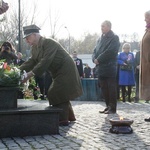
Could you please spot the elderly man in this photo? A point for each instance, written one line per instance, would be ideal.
(49, 55)
(105, 57)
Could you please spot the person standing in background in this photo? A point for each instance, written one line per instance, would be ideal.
(78, 63)
(126, 71)
(145, 63)
(105, 57)
(87, 71)
(19, 60)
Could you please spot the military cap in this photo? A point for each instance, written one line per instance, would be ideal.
(28, 30)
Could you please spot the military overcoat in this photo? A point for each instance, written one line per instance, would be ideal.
(50, 56)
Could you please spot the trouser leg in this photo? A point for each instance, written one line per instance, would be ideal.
(123, 90)
(71, 113)
(40, 83)
(112, 93)
(47, 82)
(104, 90)
(64, 115)
(129, 93)
(108, 87)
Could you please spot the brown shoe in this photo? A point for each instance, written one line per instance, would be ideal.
(72, 119)
(63, 123)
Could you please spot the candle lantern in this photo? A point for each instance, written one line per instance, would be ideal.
(121, 125)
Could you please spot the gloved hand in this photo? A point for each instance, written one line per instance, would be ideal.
(27, 76)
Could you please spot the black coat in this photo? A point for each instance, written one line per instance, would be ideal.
(106, 52)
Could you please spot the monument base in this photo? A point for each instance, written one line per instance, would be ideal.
(8, 97)
(31, 118)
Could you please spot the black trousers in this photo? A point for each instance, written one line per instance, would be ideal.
(137, 86)
(44, 82)
(109, 91)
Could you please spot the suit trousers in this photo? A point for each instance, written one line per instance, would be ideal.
(109, 91)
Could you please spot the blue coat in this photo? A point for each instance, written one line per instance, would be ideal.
(126, 77)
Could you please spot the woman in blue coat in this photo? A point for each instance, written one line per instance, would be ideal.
(126, 71)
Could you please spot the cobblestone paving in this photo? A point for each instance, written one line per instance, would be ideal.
(91, 131)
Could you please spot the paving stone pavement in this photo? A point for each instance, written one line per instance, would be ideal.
(91, 130)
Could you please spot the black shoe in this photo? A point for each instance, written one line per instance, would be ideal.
(103, 111)
(109, 112)
(147, 120)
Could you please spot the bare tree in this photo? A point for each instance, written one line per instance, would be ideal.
(9, 25)
(54, 23)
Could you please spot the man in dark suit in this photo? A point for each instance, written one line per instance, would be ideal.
(105, 57)
(19, 61)
(78, 63)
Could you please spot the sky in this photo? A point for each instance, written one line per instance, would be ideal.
(82, 16)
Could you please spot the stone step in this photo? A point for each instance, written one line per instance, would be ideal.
(30, 118)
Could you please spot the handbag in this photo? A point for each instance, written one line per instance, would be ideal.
(127, 67)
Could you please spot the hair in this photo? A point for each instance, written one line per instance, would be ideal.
(147, 12)
(19, 53)
(7, 44)
(74, 52)
(108, 23)
(126, 45)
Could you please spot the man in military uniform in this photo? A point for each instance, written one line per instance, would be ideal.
(49, 55)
